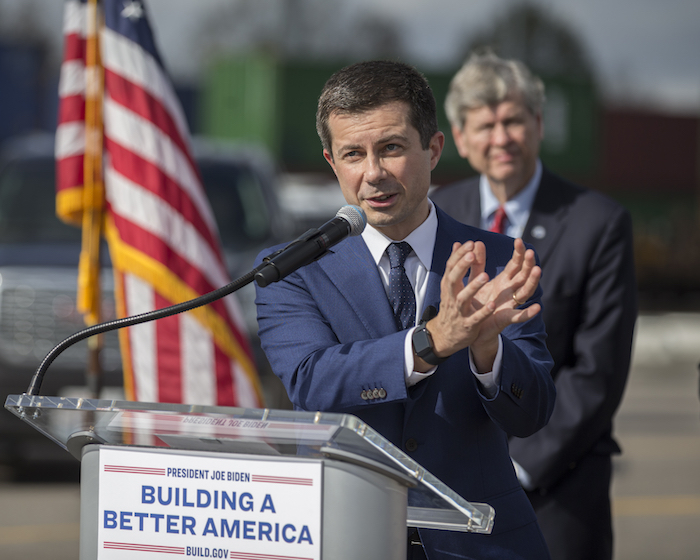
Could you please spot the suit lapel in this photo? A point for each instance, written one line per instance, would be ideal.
(448, 231)
(547, 220)
(352, 270)
(441, 253)
(474, 211)
(464, 201)
(472, 202)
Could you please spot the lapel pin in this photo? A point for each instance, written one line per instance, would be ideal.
(538, 232)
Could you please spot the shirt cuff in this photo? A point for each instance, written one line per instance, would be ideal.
(412, 377)
(489, 380)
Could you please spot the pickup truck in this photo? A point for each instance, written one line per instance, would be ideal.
(38, 272)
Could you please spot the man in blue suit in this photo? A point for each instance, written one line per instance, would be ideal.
(447, 391)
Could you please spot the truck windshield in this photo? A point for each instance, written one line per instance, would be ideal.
(28, 204)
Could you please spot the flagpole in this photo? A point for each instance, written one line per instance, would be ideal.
(89, 289)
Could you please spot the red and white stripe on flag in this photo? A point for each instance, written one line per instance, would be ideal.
(160, 228)
(70, 132)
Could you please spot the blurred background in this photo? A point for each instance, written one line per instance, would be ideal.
(622, 77)
(622, 116)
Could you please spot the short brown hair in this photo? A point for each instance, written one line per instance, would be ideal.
(366, 85)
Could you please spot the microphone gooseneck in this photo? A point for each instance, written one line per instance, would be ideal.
(100, 328)
(312, 245)
(349, 221)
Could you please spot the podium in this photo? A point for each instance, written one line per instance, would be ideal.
(250, 484)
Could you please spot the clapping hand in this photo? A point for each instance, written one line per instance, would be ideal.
(476, 313)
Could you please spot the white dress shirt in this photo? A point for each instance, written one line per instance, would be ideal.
(417, 266)
(517, 208)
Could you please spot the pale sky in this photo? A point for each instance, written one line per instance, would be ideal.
(646, 49)
(649, 47)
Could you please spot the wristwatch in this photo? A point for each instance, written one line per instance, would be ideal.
(423, 342)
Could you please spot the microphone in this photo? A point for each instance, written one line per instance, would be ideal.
(348, 222)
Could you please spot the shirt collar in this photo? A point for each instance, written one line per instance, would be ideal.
(517, 208)
(421, 239)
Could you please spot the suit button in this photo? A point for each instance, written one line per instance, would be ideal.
(517, 391)
(411, 444)
(364, 395)
(382, 393)
(375, 394)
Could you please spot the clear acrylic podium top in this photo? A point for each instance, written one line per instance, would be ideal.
(75, 422)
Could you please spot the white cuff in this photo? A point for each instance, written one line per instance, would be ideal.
(412, 377)
(489, 380)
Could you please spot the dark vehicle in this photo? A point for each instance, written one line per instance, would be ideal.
(38, 273)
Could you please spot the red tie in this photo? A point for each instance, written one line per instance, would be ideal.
(499, 221)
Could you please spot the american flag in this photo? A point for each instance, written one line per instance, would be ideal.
(118, 109)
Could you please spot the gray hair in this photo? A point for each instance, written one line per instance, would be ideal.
(486, 79)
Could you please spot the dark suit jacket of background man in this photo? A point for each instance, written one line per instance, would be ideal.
(329, 333)
(584, 242)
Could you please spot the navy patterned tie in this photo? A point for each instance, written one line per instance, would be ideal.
(401, 295)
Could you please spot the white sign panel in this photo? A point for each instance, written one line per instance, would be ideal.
(160, 505)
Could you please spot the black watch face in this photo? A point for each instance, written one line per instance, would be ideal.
(423, 346)
(421, 342)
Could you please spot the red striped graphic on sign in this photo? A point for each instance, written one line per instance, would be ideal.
(134, 470)
(282, 480)
(144, 547)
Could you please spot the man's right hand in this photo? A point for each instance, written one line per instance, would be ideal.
(474, 315)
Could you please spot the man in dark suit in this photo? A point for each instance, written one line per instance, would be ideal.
(337, 343)
(584, 242)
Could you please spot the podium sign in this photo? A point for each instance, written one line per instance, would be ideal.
(208, 506)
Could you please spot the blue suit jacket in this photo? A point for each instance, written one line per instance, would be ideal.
(329, 334)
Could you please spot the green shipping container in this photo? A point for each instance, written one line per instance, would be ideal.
(258, 99)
